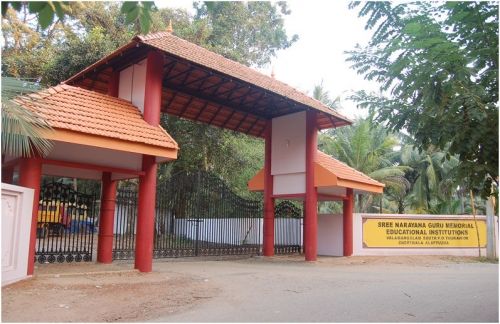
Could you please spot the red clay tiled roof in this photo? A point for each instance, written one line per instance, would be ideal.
(344, 176)
(343, 171)
(76, 109)
(177, 46)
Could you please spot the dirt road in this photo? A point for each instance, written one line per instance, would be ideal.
(281, 289)
(96, 293)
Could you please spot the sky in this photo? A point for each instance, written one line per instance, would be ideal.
(326, 29)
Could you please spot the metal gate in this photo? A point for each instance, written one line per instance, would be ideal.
(125, 224)
(196, 215)
(65, 226)
(288, 225)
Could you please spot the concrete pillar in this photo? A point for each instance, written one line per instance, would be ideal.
(152, 92)
(106, 220)
(147, 182)
(268, 230)
(30, 174)
(311, 199)
(146, 215)
(348, 207)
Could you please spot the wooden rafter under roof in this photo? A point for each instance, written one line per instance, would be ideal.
(206, 87)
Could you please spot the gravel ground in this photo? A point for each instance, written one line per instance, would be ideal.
(278, 289)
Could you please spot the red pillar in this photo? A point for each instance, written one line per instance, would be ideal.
(106, 220)
(268, 239)
(152, 96)
(30, 173)
(347, 222)
(8, 175)
(311, 200)
(146, 215)
(147, 182)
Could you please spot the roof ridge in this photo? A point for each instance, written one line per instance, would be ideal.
(154, 36)
(270, 80)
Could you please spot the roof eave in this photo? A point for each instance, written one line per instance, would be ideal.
(104, 60)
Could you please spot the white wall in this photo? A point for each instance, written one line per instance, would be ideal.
(132, 84)
(330, 235)
(358, 248)
(288, 151)
(17, 208)
(235, 230)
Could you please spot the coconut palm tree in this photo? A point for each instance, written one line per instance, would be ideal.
(21, 128)
(319, 93)
(432, 180)
(369, 148)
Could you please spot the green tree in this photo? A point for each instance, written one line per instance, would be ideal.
(137, 13)
(368, 148)
(319, 93)
(437, 65)
(247, 32)
(433, 178)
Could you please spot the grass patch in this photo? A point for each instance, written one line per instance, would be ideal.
(487, 260)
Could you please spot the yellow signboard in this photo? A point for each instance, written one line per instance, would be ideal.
(422, 233)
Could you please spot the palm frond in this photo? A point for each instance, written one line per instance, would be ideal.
(22, 129)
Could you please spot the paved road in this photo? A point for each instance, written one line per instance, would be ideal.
(263, 290)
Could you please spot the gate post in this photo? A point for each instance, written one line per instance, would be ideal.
(268, 230)
(146, 215)
(348, 205)
(147, 182)
(311, 199)
(106, 220)
(30, 173)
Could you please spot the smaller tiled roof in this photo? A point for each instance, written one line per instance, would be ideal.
(79, 110)
(343, 171)
(330, 172)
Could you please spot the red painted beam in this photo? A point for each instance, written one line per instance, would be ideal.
(311, 201)
(88, 166)
(347, 222)
(30, 174)
(288, 196)
(325, 197)
(268, 230)
(106, 220)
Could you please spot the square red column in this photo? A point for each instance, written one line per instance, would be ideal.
(106, 219)
(311, 200)
(268, 230)
(348, 206)
(30, 174)
(147, 182)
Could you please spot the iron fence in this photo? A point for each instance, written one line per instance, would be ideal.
(288, 228)
(65, 224)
